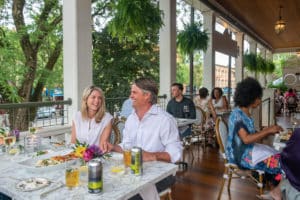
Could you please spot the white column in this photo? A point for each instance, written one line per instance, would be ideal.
(77, 50)
(239, 59)
(209, 55)
(167, 46)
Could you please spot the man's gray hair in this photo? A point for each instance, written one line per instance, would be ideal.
(148, 85)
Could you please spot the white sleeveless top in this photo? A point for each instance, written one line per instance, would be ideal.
(218, 104)
(89, 131)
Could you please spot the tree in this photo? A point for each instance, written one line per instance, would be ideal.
(117, 64)
(38, 31)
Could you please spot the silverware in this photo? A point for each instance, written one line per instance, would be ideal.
(44, 194)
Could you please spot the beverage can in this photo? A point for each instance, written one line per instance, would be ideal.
(136, 161)
(95, 176)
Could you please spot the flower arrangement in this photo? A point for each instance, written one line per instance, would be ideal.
(86, 152)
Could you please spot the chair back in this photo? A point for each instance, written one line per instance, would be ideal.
(200, 116)
(221, 133)
(116, 135)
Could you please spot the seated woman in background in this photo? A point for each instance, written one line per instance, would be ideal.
(218, 102)
(241, 147)
(92, 124)
(290, 162)
(202, 100)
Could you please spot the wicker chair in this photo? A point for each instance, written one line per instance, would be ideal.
(116, 136)
(232, 170)
(200, 129)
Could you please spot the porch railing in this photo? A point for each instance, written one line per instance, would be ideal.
(53, 113)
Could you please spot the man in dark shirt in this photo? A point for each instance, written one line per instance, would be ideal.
(181, 107)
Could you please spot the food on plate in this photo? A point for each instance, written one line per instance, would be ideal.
(54, 160)
(32, 184)
(13, 151)
(41, 152)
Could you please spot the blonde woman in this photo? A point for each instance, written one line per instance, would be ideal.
(92, 124)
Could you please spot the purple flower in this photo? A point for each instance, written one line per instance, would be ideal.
(92, 152)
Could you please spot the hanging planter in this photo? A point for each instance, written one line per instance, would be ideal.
(192, 38)
(134, 19)
(258, 64)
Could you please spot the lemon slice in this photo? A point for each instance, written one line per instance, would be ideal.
(83, 168)
(13, 151)
(117, 169)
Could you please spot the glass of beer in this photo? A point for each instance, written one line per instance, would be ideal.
(72, 173)
(9, 141)
(127, 154)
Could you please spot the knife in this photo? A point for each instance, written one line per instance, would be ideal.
(44, 194)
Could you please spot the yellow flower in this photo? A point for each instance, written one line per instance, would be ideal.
(79, 151)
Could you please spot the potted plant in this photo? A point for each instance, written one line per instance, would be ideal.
(190, 39)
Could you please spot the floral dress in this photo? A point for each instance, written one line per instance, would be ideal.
(241, 154)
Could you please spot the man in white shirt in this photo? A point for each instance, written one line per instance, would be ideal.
(152, 129)
(149, 127)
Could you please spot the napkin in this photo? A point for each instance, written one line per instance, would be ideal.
(149, 193)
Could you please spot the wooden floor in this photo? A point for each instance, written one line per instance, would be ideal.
(203, 178)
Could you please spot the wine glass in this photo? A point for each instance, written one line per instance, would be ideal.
(32, 128)
(9, 141)
(294, 121)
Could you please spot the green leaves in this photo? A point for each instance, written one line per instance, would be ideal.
(256, 64)
(192, 38)
(134, 19)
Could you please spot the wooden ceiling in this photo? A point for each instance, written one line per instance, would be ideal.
(257, 18)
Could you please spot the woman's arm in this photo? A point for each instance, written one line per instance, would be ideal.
(105, 137)
(252, 138)
(225, 103)
(212, 109)
(73, 133)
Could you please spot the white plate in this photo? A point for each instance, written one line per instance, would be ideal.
(32, 184)
(30, 164)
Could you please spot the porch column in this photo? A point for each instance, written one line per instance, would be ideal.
(167, 47)
(77, 50)
(209, 55)
(239, 60)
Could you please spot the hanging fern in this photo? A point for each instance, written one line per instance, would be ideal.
(256, 64)
(134, 19)
(192, 38)
(250, 62)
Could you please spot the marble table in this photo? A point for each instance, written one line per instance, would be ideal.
(116, 187)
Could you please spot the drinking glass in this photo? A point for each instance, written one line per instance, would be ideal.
(72, 173)
(9, 141)
(83, 174)
(127, 154)
(32, 127)
(294, 121)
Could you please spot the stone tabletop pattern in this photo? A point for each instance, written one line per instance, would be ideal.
(117, 187)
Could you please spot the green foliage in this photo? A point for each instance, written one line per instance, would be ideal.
(134, 19)
(192, 38)
(117, 64)
(30, 52)
(258, 64)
